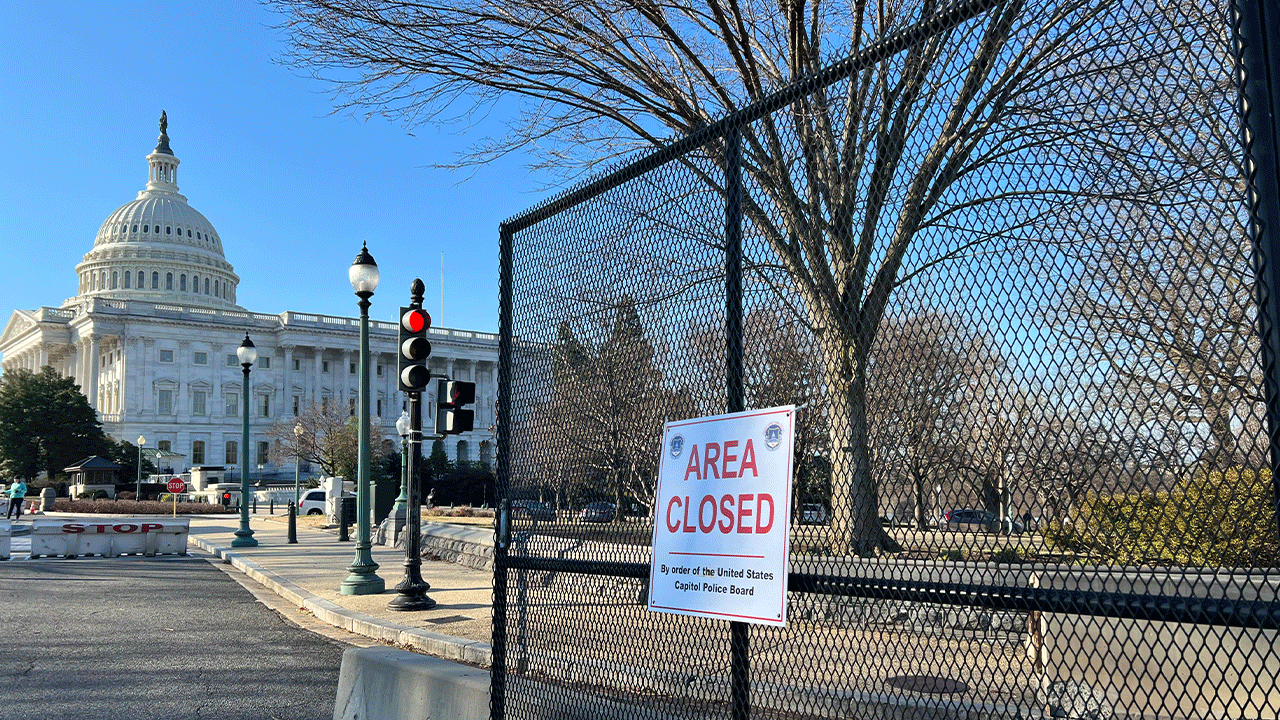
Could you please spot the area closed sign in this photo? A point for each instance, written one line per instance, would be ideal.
(722, 526)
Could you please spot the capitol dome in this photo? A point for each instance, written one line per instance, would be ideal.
(157, 247)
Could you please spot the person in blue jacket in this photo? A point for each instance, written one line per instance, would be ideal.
(17, 491)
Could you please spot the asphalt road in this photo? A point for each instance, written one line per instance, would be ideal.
(165, 637)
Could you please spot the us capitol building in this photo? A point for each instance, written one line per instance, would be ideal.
(152, 331)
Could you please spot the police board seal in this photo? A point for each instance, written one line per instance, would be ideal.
(676, 445)
(773, 436)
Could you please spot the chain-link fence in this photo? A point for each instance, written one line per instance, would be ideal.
(1000, 259)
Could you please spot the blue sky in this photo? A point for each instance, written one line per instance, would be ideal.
(292, 189)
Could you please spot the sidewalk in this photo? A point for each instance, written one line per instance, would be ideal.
(310, 574)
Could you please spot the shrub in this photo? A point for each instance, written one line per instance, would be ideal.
(952, 555)
(459, 511)
(134, 507)
(1224, 518)
(93, 495)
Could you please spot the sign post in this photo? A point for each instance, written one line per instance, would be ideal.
(175, 486)
(721, 535)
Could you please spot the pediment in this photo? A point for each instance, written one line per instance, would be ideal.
(20, 323)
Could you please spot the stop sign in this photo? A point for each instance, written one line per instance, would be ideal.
(176, 486)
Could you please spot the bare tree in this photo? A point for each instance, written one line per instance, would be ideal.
(952, 148)
(329, 439)
(926, 375)
(1162, 287)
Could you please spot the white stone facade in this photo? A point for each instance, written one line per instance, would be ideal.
(158, 359)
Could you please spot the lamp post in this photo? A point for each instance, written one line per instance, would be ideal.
(363, 579)
(297, 459)
(402, 429)
(248, 355)
(141, 441)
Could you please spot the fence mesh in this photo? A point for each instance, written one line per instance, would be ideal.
(999, 258)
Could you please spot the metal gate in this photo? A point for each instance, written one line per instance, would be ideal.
(1012, 260)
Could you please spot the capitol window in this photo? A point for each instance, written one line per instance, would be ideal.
(233, 404)
(198, 403)
(115, 278)
(166, 356)
(188, 232)
(201, 358)
(155, 281)
(182, 286)
(168, 229)
(195, 283)
(230, 454)
(135, 228)
(264, 406)
(168, 281)
(264, 363)
(197, 452)
(165, 406)
(206, 286)
(127, 276)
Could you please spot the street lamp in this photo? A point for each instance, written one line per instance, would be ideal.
(141, 441)
(297, 459)
(402, 429)
(363, 579)
(248, 355)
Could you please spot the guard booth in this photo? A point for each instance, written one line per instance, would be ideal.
(92, 473)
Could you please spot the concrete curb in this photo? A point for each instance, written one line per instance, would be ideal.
(417, 639)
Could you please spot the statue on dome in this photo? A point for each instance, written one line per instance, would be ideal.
(163, 145)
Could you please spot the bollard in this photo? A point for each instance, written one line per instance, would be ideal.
(293, 523)
(272, 507)
(255, 504)
(343, 534)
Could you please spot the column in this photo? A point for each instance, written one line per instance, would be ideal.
(288, 377)
(182, 403)
(94, 362)
(317, 388)
(345, 385)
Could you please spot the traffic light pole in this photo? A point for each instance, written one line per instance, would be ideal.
(413, 589)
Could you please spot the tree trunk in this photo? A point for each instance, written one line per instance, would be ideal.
(855, 520)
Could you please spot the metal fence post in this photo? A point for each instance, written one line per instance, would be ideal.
(735, 395)
(498, 670)
(1258, 58)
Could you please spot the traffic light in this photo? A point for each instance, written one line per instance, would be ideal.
(452, 415)
(226, 499)
(414, 349)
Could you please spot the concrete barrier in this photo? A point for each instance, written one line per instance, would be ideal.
(108, 536)
(380, 683)
(5, 532)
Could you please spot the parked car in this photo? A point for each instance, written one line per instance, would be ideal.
(312, 502)
(600, 512)
(532, 509)
(814, 514)
(975, 521)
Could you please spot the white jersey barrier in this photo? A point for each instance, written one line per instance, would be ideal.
(108, 537)
(5, 530)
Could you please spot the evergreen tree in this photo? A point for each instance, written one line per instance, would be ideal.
(46, 424)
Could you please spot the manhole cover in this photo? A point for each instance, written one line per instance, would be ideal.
(447, 619)
(927, 684)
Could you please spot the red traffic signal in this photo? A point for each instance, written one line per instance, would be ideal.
(414, 349)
